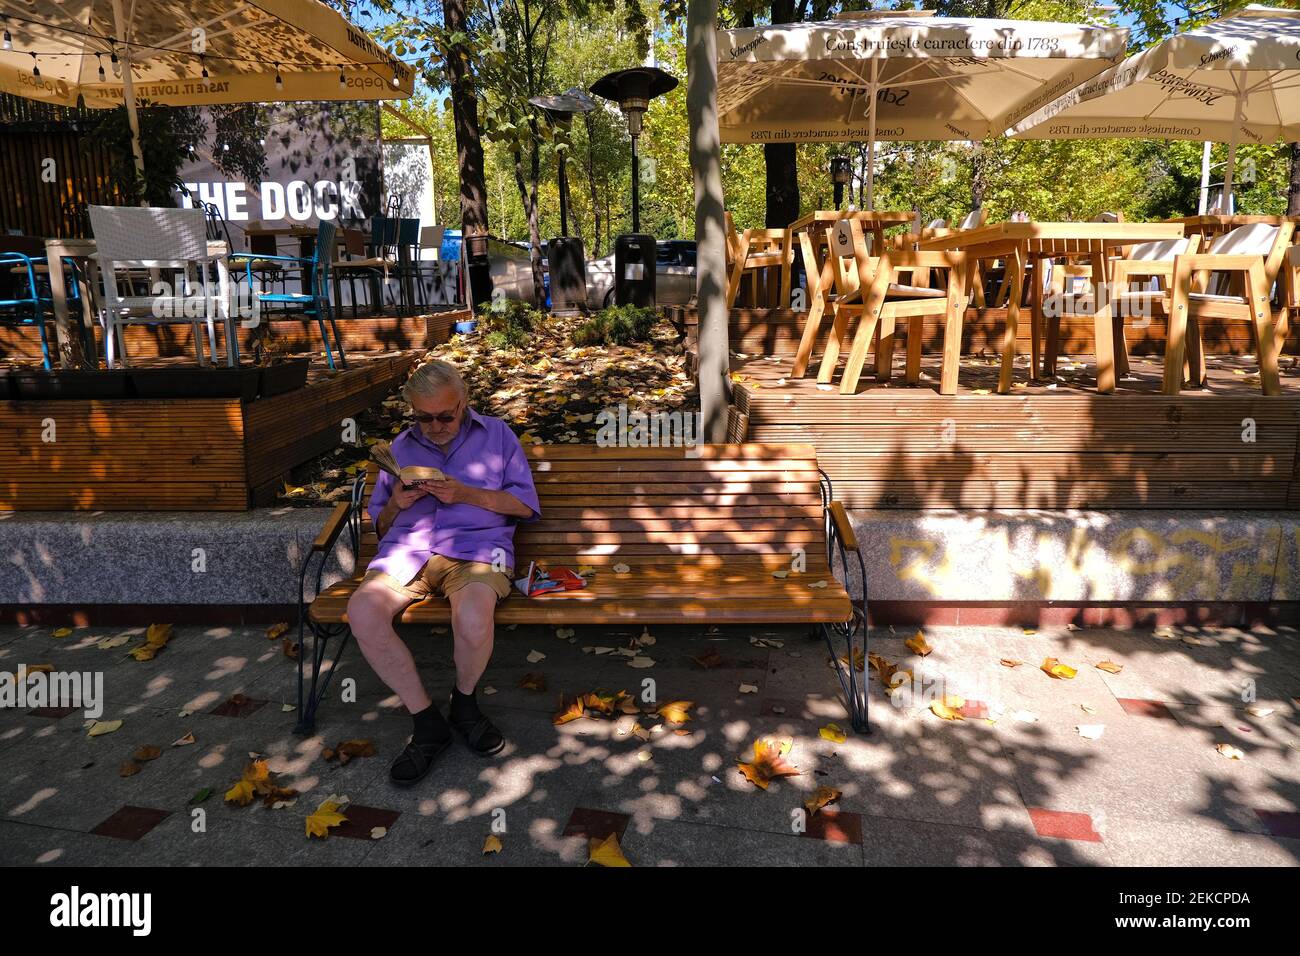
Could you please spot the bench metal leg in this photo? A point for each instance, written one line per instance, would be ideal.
(309, 700)
(852, 680)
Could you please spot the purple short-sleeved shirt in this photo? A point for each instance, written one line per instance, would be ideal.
(485, 454)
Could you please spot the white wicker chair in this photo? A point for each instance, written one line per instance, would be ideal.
(134, 238)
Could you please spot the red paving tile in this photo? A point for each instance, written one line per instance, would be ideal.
(1280, 823)
(596, 824)
(237, 706)
(836, 826)
(1064, 825)
(362, 819)
(131, 823)
(1145, 708)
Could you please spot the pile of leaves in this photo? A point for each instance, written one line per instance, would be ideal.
(547, 387)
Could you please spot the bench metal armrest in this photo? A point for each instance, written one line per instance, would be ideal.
(841, 538)
(346, 516)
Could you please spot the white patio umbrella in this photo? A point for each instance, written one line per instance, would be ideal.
(1233, 79)
(899, 75)
(104, 53)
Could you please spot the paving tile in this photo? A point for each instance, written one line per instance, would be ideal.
(891, 842)
(131, 823)
(680, 843)
(596, 824)
(835, 826)
(362, 820)
(1195, 844)
(1063, 825)
(1145, 708)
(237, 706)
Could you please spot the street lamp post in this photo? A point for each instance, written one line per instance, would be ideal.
(634, 253)
(565, 257)
(841, 176)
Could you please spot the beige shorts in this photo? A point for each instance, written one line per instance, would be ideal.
(444, 576)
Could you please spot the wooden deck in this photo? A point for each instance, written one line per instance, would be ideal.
(212, 454)
(777, 331)
(1046, 445)
(366, 333)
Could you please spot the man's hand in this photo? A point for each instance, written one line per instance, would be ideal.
(401, 499)
(450, 491)
(404, 496)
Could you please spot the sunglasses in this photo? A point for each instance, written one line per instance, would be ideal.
(446, 418)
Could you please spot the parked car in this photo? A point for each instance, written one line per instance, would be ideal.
(674, 275)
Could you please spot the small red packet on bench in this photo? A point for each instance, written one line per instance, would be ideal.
(540, 581)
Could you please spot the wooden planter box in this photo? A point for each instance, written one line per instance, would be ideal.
(283, 377)
(39, 385)
(195, 382)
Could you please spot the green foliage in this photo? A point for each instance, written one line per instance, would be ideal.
(615, 325)
(168, 135)
(509, 323)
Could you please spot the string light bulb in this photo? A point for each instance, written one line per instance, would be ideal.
(8, 41)
(204, 63)
(36, 66)
(116, 64)
(342, 79)
(279, 80)
(100, 60)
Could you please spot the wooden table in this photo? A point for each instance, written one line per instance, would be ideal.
(1018, 242)
(1211, 227)
(71, 351)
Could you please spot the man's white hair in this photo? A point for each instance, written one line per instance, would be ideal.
(432, 377)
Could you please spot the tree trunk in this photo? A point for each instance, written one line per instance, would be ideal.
(1293, 184)
(528, 199)
(534, 223)
(469, 149)
(706, 166)
(779, 163)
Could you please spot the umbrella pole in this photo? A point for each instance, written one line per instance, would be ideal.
(128, 90)
(872, 89)
(1232, 158)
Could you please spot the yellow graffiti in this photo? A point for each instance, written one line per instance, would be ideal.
(1191, 561)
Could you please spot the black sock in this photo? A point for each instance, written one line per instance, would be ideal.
(463, 706)
(430, 726)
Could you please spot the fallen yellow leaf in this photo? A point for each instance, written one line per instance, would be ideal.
(1110, 667)
(1054, 668)
(917, 645)
(821, 797)
(833, 733)
(492, 844)
(677, 711)
(606, 852)
(327, 815)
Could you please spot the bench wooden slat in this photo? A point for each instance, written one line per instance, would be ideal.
(701, 529)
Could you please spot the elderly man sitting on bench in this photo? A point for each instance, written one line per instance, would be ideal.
(453, 538)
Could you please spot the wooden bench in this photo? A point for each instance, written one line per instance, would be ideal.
(701, 530)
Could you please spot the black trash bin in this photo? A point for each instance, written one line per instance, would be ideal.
(568, 268)
(634, 270)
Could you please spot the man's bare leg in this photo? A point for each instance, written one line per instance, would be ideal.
(473, 625)
(370, 613)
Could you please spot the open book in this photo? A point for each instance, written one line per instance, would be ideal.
(381, 453)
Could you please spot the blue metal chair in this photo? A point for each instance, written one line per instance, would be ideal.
(313, 300)
(27, 300)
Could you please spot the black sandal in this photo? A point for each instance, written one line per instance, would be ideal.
(480, 734)
(420, 757)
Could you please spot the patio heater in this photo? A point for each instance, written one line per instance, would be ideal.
(841, 176)
(564, 254)
(634, 253)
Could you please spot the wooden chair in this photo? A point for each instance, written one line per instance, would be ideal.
(1203, 289)
(756, 254)
(1151, 260)
(830, 269)
(881, 299)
